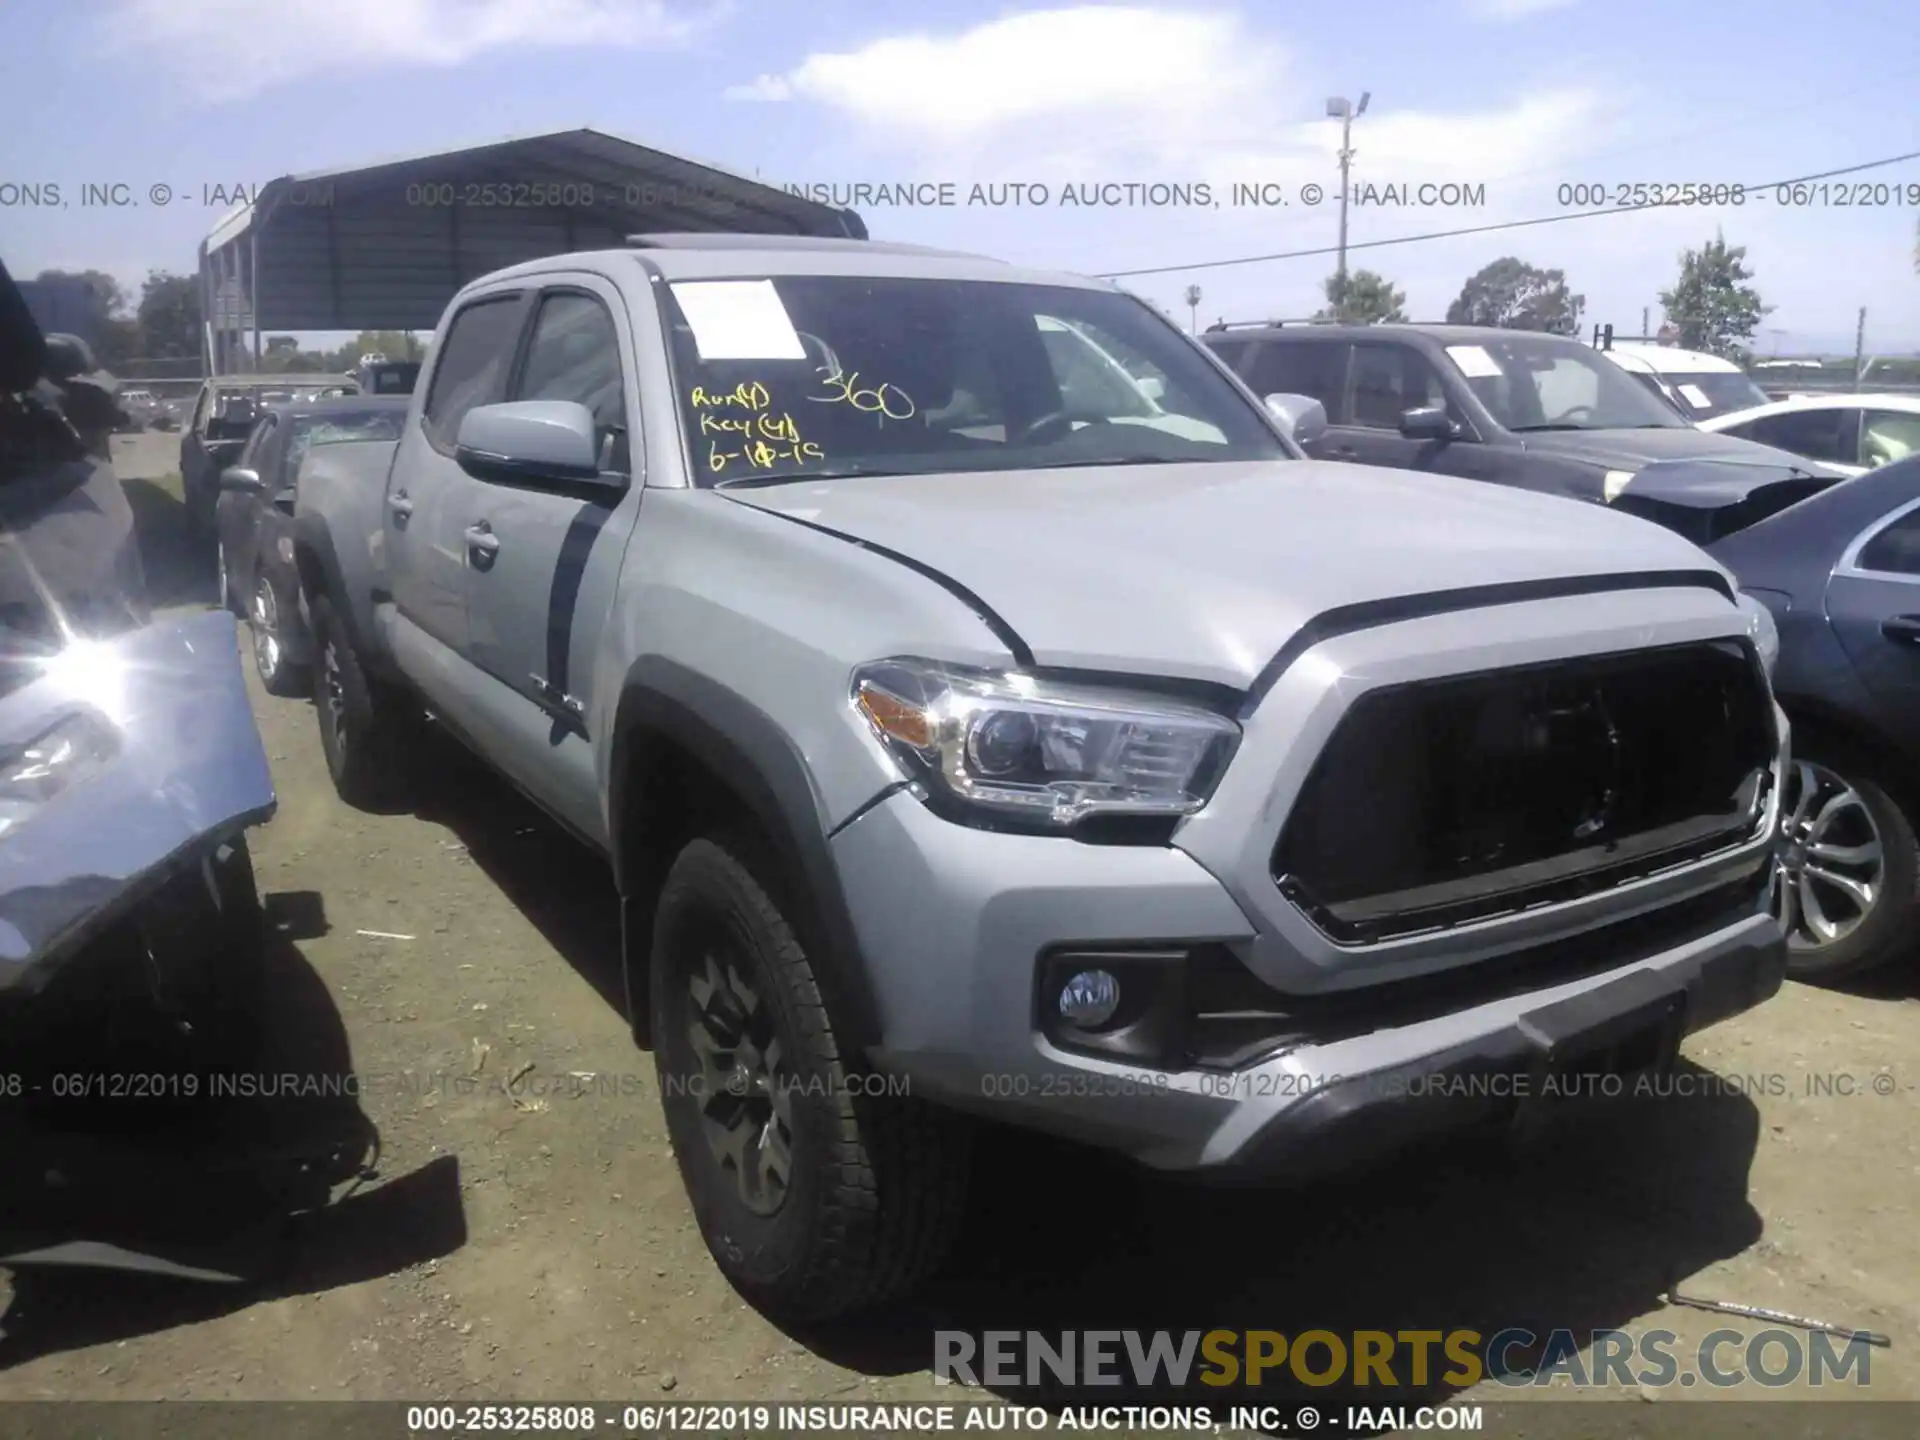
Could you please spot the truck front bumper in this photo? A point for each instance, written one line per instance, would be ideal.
(954, 925)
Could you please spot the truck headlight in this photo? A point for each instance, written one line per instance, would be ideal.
(34, 773)
(1011, 744)
(1616, 481)
(1763, 630)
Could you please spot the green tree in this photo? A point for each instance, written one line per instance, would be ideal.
(169, 316)
(1712, 306)
(1514, 295)
(1368, 300)
(110, 329)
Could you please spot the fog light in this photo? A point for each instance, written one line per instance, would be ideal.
(1090, 998)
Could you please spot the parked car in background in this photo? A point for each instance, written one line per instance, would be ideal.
(254, 524)
(1852, 433)
(223, 417)
(944, 731)
(1515, 407)
(1841, 574)
(140, 407)
(1698, 385)
(388, 377)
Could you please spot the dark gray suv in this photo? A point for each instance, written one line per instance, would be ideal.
(1516, 407)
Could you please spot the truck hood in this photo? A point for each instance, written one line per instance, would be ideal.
(1204, 571)
(1631, 449)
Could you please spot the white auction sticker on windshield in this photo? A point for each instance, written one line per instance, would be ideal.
(1695, 397)
(738, 320)
(1474, 362)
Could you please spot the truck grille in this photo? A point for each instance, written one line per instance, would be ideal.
(1442, 802)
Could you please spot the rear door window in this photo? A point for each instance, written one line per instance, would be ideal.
(1896, 549)
(1829, 433)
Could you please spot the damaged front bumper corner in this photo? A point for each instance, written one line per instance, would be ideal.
(120, 759)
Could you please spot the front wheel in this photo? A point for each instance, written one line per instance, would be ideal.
(1846, 885)
(278, 674)
(816, 1195)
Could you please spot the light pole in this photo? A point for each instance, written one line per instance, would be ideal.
(1193, 309)
(1346, 112)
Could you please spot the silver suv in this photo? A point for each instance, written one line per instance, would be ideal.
(972, 734)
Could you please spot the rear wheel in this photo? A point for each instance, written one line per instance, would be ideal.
(1846, 887)
(362, 729)
(816, 1193)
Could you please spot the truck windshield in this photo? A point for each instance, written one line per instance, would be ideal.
(1708, 393)
(805, 376)
(1544, 382)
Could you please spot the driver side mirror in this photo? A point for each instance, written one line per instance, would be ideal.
(530, 440)
(1426, 422)
(1301, 416)
(238, 480)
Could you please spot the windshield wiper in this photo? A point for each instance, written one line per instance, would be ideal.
(1109, 460)
(1535, 429)
(840, 472)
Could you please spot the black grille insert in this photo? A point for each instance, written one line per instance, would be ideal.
(1441, 802)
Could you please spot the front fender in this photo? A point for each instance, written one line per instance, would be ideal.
(663, 701)
(177, 765)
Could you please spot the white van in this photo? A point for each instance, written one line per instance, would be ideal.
(1698, 385)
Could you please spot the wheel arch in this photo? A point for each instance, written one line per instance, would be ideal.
(1821, 727)
(689, 756)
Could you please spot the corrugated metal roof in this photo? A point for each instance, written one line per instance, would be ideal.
(385, 245)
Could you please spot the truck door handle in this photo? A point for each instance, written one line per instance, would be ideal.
(480, 537)
(399, 504)
(1902, 629)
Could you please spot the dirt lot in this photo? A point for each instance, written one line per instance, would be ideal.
(562, 1262)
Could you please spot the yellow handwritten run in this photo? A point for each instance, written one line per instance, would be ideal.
(747, 395)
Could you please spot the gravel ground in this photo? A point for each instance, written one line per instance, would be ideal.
(446, 952)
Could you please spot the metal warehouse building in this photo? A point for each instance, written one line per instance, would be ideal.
(385, 246)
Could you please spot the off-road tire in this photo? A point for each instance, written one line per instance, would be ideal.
(363, 728)
(1891, 931)
(878, 1183)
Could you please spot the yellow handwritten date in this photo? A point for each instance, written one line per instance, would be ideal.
(763, 456)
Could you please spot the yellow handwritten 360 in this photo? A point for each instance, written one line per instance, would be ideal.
(884, 399)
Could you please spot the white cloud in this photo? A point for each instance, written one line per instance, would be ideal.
(1499, 10)
(232, 49)
(1096, 93)
(766, 88)
(1035, 67)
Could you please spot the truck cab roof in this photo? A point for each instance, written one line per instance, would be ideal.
(721, 257)
(1668, 359)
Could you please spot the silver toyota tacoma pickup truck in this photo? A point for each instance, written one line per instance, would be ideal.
(986, 710)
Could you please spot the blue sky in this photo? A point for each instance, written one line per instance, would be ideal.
(1520, 97)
